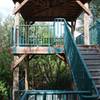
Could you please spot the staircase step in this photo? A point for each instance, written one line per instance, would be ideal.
(95, 65)
(96, 77)
(98, 86)
(97, 82)
(90, 52)
(92, 62)
(91, 57)
(95, 73)
(96, 50)
(94, 70)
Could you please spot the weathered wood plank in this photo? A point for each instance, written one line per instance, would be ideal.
(83, 7)
(16, 71)
(86, 27)
(18, 61)
(20, 6)
(37, 50)
(62, 57)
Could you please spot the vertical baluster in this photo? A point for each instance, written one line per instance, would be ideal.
(44, 97)
(33, 35)
(61, 32)
(51, 31)
(54, 32)
(57, 34)
(22, 37)
(17, 30)
(35, 96)
(62, 36)
(48, 36)
(14, 36)
(29, 34)
(42, 39)
(36, 36)
(11, 36)
(52, 35)
(66, 96)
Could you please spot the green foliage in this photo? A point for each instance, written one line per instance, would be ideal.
(5, 58)
(3, 89)
(5, 32)
(5, 72)
(95, 8)
(51, 72)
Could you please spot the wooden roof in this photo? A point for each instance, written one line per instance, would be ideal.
(46, 10)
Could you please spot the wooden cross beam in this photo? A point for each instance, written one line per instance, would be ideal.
(62, 57)
(83, 7)
(20, 6)
(18, 61)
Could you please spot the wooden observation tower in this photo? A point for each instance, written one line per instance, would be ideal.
(26, 41)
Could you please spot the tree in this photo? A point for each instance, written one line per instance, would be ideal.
(5, 57)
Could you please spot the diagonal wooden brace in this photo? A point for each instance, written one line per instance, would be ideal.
(18, 61)
(20, 6)
(83, 7)
(62, 57)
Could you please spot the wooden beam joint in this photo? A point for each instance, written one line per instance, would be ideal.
(87, 10)
(16, 10)
(62, 57)
(17, 61)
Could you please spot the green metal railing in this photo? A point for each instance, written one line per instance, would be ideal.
(49, 95)
(80, 71)
(80, 39)
(95, 33)
(37, 35)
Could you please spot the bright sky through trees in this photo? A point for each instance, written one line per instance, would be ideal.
(6, 8)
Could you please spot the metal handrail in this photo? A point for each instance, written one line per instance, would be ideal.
(45, 93)
(36, 35)
(80, 71)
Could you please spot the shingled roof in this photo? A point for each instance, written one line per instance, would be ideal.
(46, 10)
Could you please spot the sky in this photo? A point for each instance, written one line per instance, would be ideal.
(6, 8)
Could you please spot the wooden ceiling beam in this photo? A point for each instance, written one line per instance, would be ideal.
(47, 10)
(19, 7)
(83, 7)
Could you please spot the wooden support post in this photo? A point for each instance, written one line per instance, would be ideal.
(73, 23)
(18, 61)
(16, 71)
(26, 66)
(86, 27)
(27, 59)
(15, 80)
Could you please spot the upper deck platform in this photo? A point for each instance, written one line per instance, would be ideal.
(39, 38)
(47, 10)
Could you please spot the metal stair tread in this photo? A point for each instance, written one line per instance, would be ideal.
(96, 77)
(94, 70)
(98, 86)
(93, 64)
(90, 53)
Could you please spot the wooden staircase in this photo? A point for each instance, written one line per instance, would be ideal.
(91, 55)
